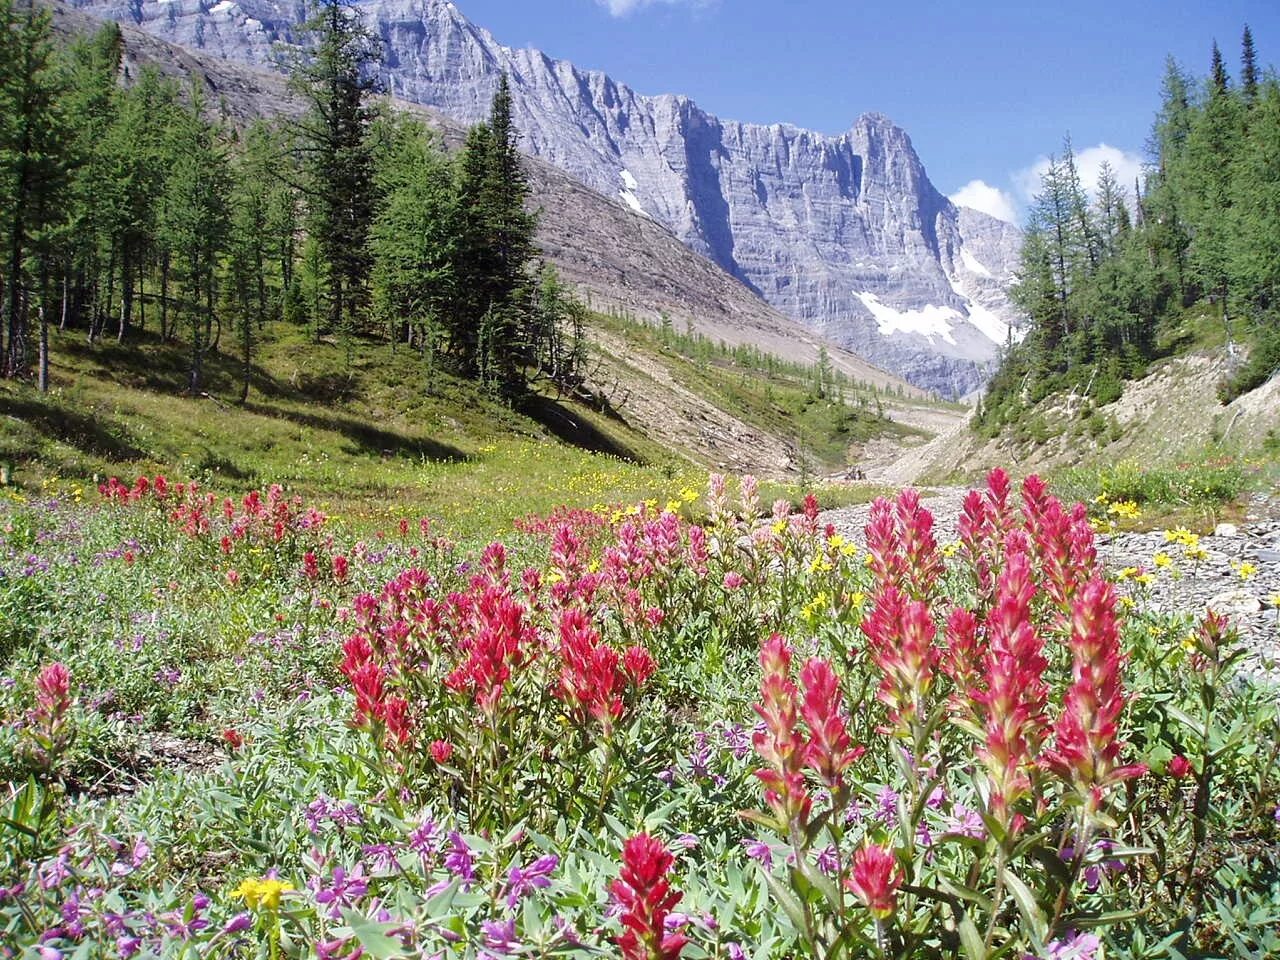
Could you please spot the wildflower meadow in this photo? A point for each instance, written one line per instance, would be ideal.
(701, 728)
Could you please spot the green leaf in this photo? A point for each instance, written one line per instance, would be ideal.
(970, 939)
(1032, 915)
(373, 936)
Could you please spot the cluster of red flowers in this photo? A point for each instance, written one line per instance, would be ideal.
(487, 640)
(270, 519)
(788, 749)
(645, 895)
(594, 679)
(994, 654)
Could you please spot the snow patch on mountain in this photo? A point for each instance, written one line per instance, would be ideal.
(973, 264)
(929, 321)
(628, 192)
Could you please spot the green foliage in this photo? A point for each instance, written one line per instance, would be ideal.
(1105, 293)
(1212, 480)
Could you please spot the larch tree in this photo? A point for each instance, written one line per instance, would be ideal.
(333, 137)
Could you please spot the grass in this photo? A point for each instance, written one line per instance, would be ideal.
(367, 433)
(1197, 493)
(782, 402)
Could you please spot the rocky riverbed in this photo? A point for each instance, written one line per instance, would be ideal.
(1238, 574)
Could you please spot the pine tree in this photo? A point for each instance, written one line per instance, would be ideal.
(195, 225)
(33, 169)
(414, 238)
(1218, 72)
(337, 155)
(1248, 67)
(250, 239)
(497, 249)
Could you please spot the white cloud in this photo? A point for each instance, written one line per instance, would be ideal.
(1126, 166)
(980, 195)
(623, 8)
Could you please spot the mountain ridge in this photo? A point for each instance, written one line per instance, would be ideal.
(844, 233)
(620, 262)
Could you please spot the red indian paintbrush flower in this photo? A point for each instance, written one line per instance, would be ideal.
(901, 545)
(645, 895)
(780, 743)
(875, 879)
(964, 660)
(1014, 699)
(591, 680)
(1086, 738)
(901, 634)
(53, 692)
(829, 751)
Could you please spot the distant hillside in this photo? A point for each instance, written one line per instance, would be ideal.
(618, 259)
(845, 232)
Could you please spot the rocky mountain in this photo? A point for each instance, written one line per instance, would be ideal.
(616, 259)
(844, 233)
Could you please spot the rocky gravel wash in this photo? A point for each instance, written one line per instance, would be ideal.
(1214, 582)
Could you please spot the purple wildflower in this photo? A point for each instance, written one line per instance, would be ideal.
(458, 860)
(500, 936)
(522, 881)
(759, 851)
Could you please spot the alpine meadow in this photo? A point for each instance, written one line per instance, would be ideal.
(453, 504)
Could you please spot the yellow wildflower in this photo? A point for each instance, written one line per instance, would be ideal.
(951, 549)
(1196, 553)
(779, 527)
(1125, 509)
(688, 495)
(1162, 560)
(261, 891)
(1245, 569)
(673, 506)
(1145, 578)
(1127, 572)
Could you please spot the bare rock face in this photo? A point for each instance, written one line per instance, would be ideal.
(844, 233)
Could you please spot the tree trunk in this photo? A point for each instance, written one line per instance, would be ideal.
(126, 294)
(44, 351)
(165, 332)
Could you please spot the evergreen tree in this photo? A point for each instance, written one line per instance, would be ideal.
(250, 239)
(195, 226)
(414, 238)
(33, 167)
(1248, 67)
(334, 141)
(497, 249)
(1218, 72)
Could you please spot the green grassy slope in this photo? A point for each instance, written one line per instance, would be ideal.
(365, 431)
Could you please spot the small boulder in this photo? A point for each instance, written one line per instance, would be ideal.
(1225, 530)
(1234, 603)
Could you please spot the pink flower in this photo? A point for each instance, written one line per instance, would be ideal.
(53, 691)
(829, 751)
(780, 743)
(875, 879)
(733, 580)
(441, 751)
(1086, 738)
(901, 635)
(645, 895)
(1180, 767)
(1014, 699)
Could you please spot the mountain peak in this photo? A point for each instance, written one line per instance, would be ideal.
(844, 233)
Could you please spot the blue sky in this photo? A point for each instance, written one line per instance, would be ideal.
(984, 89)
